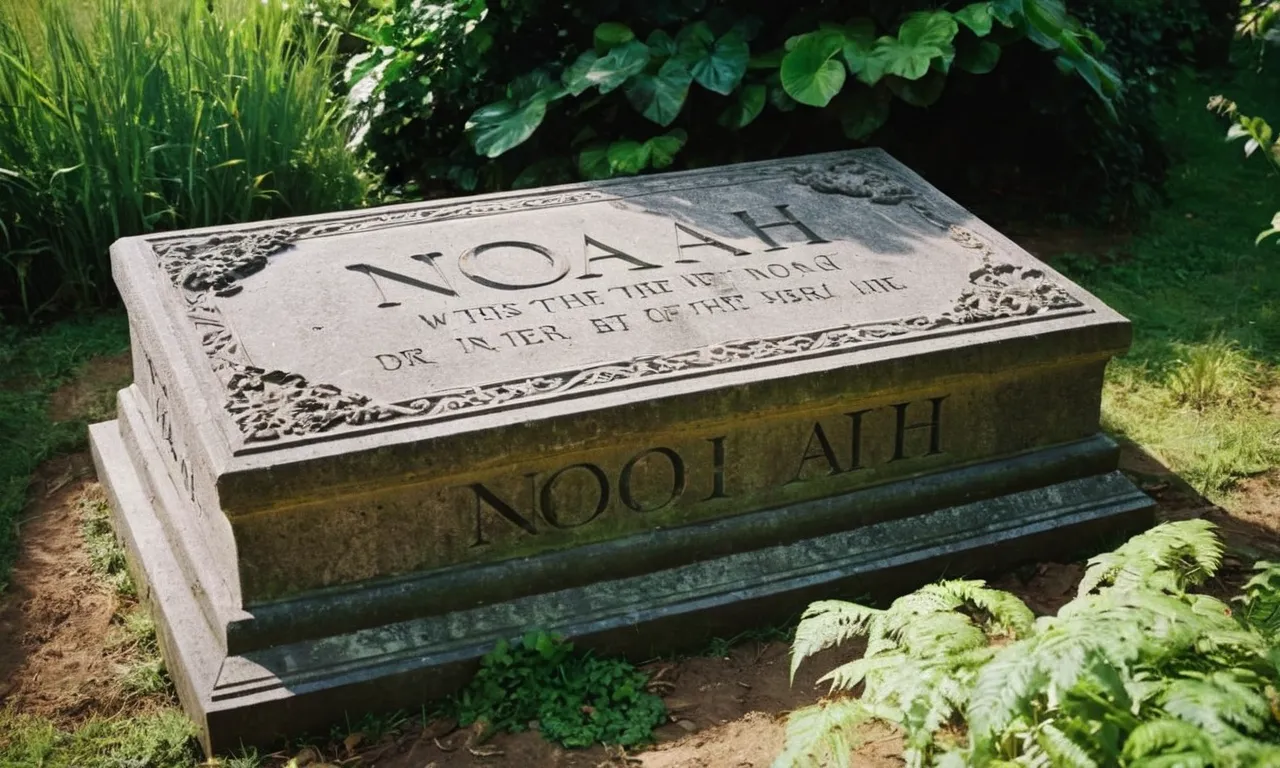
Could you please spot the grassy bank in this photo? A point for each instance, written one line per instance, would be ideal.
(1198, 390)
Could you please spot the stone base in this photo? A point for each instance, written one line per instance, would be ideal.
(285, 677)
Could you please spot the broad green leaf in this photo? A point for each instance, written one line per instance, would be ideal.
(893, 56)
(574, 78)
(860, 39)
(496, 128)
(593, 162)
(663, 149)
(611, 71)
(977, 17)
(928, 28)
(921, 92)
(611, 34)
(747, 105)
(810, 72)
(661, 45)
(978, 59)
(530, 84)
(717, 65)
(862, 112)
(627, 157)
(1006, 11)
(660, 97)
(1046, 22)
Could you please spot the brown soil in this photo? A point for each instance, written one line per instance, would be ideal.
(56, 659)
(91, 395)
(56, 613)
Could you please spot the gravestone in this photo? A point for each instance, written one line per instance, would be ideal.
(361, 448)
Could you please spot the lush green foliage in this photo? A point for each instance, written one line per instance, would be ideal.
(577, 699)
(140, 115)
(32, 367)
(1138, 669)
(744, 58)
(733, 56)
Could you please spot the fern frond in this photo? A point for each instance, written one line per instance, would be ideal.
(847, 676)
(827, 623)
(1218, 703)
(1003, 690)
(823, 735)
(1008, 613)
(1061, 749)
(1166, 736)
(1171, 555)
(1261, 598)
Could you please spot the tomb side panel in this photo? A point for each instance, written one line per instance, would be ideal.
(168, 405)
(670, 478)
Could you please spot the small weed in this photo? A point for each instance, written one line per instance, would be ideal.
(1216, 372)
(575, 699)
(106, 556)
(371, 728)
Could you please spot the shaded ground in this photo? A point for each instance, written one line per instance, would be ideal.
(58, 660)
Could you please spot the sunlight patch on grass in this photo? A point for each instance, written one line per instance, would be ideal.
(1211, 444)
(159, 739)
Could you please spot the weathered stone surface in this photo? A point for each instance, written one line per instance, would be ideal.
(403, 415)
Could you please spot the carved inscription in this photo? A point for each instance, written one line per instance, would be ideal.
(161, 411)
(508, 302)
(659, 477)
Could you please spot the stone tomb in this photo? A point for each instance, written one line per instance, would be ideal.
(360, 448)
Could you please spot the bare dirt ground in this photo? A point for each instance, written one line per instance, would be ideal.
(56, 658)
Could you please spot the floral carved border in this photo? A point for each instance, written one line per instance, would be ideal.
(268, 405)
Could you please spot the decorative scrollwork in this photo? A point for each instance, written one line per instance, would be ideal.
(269, 405)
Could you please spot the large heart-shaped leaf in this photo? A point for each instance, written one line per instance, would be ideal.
(663, 149)
(977, 17)
(717, 64)
(593, 162)
(574, 77)
(747, 105)
(979, 58)
(928, 28)
(627, 158)
(660, 96)
(611, 34)
(661, 45)
(895, 57)
(811, 73)
(862, 111)
(496, 128)
(860, 40)
(610, 71)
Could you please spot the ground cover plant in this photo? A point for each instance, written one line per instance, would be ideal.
(572, 698)
(122, 117)
(1138, 669)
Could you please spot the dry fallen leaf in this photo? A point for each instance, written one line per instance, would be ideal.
(352, 741)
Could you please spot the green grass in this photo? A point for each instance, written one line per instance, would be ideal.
(33, 367)
(1204, 301)
(122, 117)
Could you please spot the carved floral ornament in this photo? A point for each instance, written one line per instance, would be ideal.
(269, 405)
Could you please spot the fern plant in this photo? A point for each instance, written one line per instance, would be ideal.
(1137, 670)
